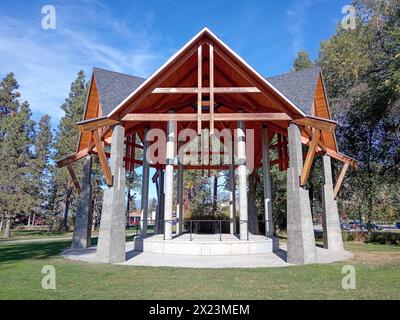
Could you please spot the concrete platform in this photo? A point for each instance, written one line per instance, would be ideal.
(206, 245)
(266, 260)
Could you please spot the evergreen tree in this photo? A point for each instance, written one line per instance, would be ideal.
(17, 128)
(65, 143)
(303, 61)
(39, 167)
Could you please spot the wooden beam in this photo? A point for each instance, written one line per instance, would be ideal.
(80, 154)
(310, 157)
(186, 117)
(341, 157)
(320, 124)
(74, 179)
(91, 125)
(340, 179)
(211, 89)
(310, 134)
(219, 90)
(199, 87)
(102, 158)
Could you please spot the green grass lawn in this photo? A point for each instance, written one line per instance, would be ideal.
(377, 267)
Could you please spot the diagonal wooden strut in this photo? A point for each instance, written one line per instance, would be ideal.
(102, 158)
(340, 179)
(310, 157)
(74, 179)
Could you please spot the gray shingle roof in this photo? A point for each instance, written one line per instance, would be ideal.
(299, 87)
(114, 87)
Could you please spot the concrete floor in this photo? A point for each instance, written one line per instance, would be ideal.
(267, 260)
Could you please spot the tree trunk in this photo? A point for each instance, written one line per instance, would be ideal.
(34, 219)
(215, 194)
(7, 230)
(2, 222)
(29, 219)
(66, 210)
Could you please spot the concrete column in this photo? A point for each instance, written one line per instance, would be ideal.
(232, 198)
(179, 197)
(300, 232)
(331, 224)
(242, 174)
(82, 229)
(162, 202)
(169, 179)
(144, 206)
(251, 205)
(269, 227)
(111, 242)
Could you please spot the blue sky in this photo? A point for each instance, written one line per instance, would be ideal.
(136, 37)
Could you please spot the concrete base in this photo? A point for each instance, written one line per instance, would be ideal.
(206, 245)
(266, 260)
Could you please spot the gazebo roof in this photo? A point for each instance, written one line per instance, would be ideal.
(298, 87)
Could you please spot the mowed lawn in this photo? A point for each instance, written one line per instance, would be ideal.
(377, 277)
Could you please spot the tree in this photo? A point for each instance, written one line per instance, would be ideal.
(361, 69)
(17, 129)
(302, 61)
(65, 142)
(39, 167)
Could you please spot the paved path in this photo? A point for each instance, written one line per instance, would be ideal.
(268, 260)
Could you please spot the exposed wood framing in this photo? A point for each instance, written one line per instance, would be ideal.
(317, 123)
(340, 179)
(199, 87)
(211, 89)
(94, 124)
(341, 157)
(310, 157)
(188, 90)
(102, 158)
(74, 179)
(187, 117)
(80, 154)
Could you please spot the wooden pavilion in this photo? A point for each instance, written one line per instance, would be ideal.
(208, 88)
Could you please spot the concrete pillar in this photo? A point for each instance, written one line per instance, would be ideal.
(232, 198)
(169, 179)
(162, 202)
(251, 205)
(269, 226)
(82, 228)
(144, 206)
(111, 242)
(300, 232)
(242, 174)
(179, 197)
(331, 224)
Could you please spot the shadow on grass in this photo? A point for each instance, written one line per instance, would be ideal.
(38, 250)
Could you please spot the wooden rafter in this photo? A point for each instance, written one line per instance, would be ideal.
(82, 153)
(94, 124)
(317, 123)
(74, 179)
(340, 179)
(310, 157)
(199, 87)
(218, 90)
(151, 117)
(102, 158)
(212, 89)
